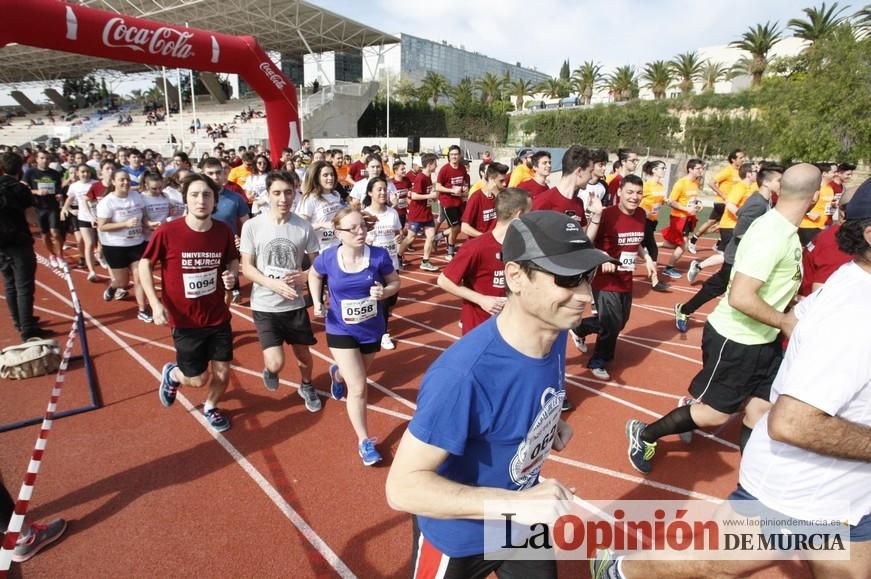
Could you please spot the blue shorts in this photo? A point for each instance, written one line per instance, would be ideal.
(859, 533)
(416, 226)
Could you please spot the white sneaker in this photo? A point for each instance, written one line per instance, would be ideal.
(691, 247)
(54, 262)
(580, 342)
(600, 373)
(694, 271)
(387, 343)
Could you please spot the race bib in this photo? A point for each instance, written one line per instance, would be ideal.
(627, 260)
(357, 311)
(273, 272)
(390, 246)
(197, 285)
(134, 232)
(46, 188)
(402, 203)
(327, 235)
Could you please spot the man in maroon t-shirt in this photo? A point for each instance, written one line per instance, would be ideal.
(419, 213)
(399, 199)
(197, 255)
(541, 164)
(476, 272)
(357, 170)
(822, 257)
(628, 162)
(479, 216)
(452, 184)
(577, 167)
(619, 235)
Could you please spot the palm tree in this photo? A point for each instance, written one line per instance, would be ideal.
(863, 19)
(820, 22)
(136, 94)
(552, 88)
(520, 89)
(585, 78)
(658, 75)
(463, 93)
(712, 73)
(758, 41)
(490, 87)
(434, 86)
(687, 66)
(623, 83)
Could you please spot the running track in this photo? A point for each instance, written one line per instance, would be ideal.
(153, 492)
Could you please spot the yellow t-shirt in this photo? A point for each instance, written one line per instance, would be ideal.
(476, 187)
(653, 199)
(726, 178)
(684, 192)
(609, 178)
(827, 194)
(738, 194)
(520, 174)
(754, 187)
(239, 175)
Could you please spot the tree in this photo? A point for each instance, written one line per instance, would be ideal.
(83, 92)
(565, 71)
(406, 91)
(658, 75)
(463, 94)
(623, 83)
(434, 86)
(712, 73)
(137, 95)
(862, 19)
(520, 89)
(687, 66)
(552, 88)
(820, 22)
(585, 79)
(758, 41)
(490, 87)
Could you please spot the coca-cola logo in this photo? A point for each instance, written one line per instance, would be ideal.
(273, 76)
(164, 41)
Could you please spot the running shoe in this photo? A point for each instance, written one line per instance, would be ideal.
(567, 405)
(694, 271)
(307, 393)
(40, 536)
(604, 566)
(661, 287)
(217, 420)
(368, 452)
(120, 294)
(427, 266)
(168, 387)
(92, 277)
(145, 316)
(337, 389)
(54, 262)
(640, 452)
(580, 342)
(691, 244)
(600, 373)
(686, 437)
(236, 297)
(387, 343)
(270, 380)
(681, 320)
(109, 294)
(671, 272)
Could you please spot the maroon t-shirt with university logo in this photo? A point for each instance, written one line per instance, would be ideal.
(402, 187)
(193, 261)
(450, 177)
(619, 236)
(553, 200)
(477, 266)
(418, 210)
(480, 212)
(533, 187)
(357, 170)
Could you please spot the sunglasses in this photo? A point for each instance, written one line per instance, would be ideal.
(566, 281)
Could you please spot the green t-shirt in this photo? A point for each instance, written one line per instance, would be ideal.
(770, 251)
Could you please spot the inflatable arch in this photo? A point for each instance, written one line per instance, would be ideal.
(78, 29)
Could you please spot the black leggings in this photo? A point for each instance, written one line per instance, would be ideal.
(713, 287)
(649, 242)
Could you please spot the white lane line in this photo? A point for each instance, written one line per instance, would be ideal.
(613, 384)
(663, 343)
(430, 303)
(661, 351)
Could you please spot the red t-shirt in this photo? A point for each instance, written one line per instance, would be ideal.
(402, 187)
(357, 170)
(97, 191)
(838, 190)
(193, 261)
(477, 266)
(418, 210)
(480, 212)
(613, 188)
(450, 177)
(619, 236)
(533, 187)
(553, 200)
(820, 259)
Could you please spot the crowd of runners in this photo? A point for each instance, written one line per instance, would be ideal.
(325, 235)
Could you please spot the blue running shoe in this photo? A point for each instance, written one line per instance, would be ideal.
(681, 320)
(640, 452)
(217, 420)
(168, 387)
(604, 566)
(337, 389)
(368, 453)
(671, 272)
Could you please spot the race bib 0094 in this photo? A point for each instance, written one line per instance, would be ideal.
(197, 285)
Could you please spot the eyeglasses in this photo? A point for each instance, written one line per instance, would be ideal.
(353, 229)
(566, 281)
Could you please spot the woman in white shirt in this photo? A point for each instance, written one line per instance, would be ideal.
(77, 194)
(255, 186)
(320, 203)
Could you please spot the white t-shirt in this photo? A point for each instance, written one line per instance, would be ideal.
(116, 209)
(156, 209)
(80, 190)
(358, 191)
(316, 209)
(385, 231)
(255, 188)
(827, 365)
(176, 202)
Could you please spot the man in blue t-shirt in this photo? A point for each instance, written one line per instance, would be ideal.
(135, 169)
(488, 412)
(232, 210)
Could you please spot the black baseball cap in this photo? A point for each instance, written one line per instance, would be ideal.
(524, 153)
(859, 206)
(553, 241)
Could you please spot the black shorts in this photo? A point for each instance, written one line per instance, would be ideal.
(196, 347)
(732, 372)
(48, 219)
(293, 327)
(344, 342)
(717, 212)
(83, 224)
(453, 215)
(725, 236)
(122, 257)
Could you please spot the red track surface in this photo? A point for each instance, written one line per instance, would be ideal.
(152, 492)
